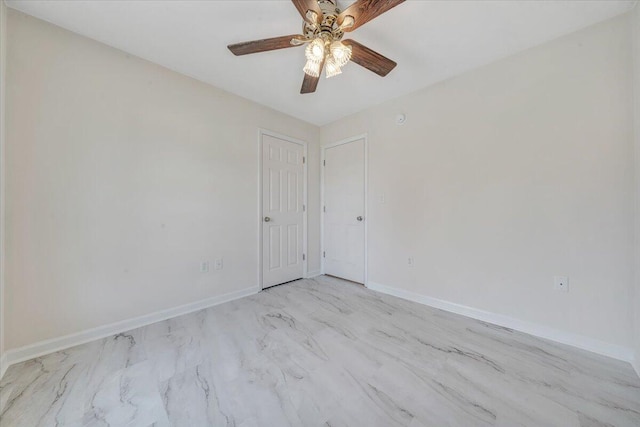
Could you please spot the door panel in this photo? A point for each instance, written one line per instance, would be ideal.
(292, 235)
(344, 198)
(282, 203)
(274, 246)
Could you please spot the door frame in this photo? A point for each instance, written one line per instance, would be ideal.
(305, 164)
(366, 204)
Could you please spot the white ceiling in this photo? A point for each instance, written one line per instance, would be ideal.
(430, 41)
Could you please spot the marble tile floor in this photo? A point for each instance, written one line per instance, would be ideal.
(320, 352)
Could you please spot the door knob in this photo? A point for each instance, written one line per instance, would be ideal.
(267, 219)
(359, 218)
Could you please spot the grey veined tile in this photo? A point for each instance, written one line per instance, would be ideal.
(126, 397)
(192, 398)
(321, 352)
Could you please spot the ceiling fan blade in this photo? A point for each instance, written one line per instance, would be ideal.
(309, 84)
(364, 11)
(304, 5)
(264, 45)
(370, 59)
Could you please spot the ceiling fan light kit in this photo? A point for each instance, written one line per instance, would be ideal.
(322, 31)
(324, 41)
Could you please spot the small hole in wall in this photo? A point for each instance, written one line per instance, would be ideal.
(401, 119)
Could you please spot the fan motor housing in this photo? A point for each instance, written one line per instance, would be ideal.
(328, 28)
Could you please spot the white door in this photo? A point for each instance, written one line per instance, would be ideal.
(344, 202)
(282, 211)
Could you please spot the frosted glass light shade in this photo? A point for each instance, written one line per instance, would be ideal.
(341, 53)
(312, 68)
(315, 50)
(332, 68)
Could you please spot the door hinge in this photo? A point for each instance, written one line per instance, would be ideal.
(304, 208)
(324, 209)
(304, 159)
(304, 257)
(324, 254)
(324, 163)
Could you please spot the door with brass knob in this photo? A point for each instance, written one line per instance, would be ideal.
(282, 210)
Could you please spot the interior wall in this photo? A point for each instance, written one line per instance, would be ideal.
(3, 50)
(635, 16)
(122, 177)
(507, 176)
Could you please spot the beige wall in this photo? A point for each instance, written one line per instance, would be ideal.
(122, 176)
(635, 16)
(508, 175)
(3, 44)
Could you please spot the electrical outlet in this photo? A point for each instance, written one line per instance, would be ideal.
(561, 283)
(381, 198)
(204, 267)
(410, 261)
(218, 264)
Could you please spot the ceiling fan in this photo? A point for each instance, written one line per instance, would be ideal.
(323, 28)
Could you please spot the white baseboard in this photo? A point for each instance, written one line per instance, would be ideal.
(313, 273)
(52, 345)
(585, 343)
